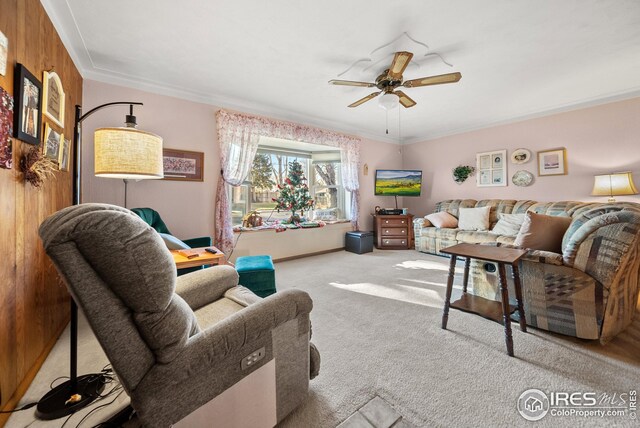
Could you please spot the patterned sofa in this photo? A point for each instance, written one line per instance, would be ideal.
(589, 291)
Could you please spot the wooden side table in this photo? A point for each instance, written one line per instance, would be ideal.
(490, 309)
(203, 258)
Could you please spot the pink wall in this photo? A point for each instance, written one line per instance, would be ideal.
(376, 155)
(598, 140)
(188, 207)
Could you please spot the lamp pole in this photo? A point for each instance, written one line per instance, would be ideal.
(77, 392)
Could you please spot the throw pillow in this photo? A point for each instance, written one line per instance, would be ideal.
(542, 232)
(508, 224)
(443, 220)
(329, 214)
(474, 218)
(172, 242)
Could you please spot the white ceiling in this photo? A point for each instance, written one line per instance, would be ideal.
(518, 58)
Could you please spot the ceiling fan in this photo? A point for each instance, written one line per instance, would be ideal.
(391, 79)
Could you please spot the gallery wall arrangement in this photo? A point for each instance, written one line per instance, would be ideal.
(39, 85)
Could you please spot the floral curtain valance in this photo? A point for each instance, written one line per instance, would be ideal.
(238, 136)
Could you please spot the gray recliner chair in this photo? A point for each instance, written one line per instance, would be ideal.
(191, 350)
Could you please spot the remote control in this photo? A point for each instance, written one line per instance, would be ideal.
(211, 250)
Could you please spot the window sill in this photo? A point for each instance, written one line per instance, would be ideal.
(285, 227)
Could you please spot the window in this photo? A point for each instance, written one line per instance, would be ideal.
(321, 167)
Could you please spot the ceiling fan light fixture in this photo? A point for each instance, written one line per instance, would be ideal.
(388, 101)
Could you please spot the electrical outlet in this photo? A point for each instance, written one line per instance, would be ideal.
(251, 359)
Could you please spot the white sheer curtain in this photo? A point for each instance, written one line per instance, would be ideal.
(238, 146)
(238, 136)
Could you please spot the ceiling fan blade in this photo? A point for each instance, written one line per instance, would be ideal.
(365, 99)
(405, 100)
(433, 80)
(352, 83)
(400, 62)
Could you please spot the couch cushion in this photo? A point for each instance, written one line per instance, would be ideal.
(442, 220)
(474, 218)
(522, 206)
(475, 237)
(453, 205)
(434, 232)
(508, 224)
(503, 239)
(542, 232)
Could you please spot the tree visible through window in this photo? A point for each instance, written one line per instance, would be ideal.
(270, 170)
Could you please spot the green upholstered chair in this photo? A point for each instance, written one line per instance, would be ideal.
(153, 219)
(257, 274)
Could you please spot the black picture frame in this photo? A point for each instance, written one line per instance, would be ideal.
(27, 112)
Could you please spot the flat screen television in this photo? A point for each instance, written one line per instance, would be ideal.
(398, 182)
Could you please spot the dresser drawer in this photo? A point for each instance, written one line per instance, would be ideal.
(394, 242)
(395, 231)
(394, 222)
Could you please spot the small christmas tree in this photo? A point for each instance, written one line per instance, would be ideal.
(294, 193)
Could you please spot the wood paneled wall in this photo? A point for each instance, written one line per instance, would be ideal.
(34, 304)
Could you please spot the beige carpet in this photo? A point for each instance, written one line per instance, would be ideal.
(376, 322)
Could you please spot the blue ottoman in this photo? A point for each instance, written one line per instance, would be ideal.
(257, 274)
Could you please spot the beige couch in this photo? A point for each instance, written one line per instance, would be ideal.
(590, 290)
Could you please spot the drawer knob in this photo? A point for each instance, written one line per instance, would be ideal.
(386, 221)
(403, 231)
(386, 242)
(403, 242)
(387, 230)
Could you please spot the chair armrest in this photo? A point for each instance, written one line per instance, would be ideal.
(421, 222)
(204, 241)
(216, 343)
(206, 285)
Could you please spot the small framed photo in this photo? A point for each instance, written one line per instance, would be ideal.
(52, 143)
(53, 101)
(28, 100)
(552, 162)
(63, 159)
(183, 165)
(492, 168)
(4, 52)
(485, 162)
(485, 178)
(520, 156)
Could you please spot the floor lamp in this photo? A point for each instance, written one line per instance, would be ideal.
(125, 153)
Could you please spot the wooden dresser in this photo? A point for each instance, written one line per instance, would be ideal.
(393, 232)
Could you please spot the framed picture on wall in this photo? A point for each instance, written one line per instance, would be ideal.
(63, 160)
(552, 162)
(492, 168)
(52, 143)
(53, 101)
(183, 165)
(27, 104)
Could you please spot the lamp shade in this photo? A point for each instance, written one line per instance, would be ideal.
(388, 101)
(616, 184)
(127, 153)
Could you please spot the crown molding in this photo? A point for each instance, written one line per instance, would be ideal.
(578, 105)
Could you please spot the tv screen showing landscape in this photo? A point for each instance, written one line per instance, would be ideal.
(398, 182)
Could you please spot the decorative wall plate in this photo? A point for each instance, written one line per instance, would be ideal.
(522, 178)
(520, 156)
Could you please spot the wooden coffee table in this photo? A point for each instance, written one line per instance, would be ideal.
(491, 309)
(203, 258)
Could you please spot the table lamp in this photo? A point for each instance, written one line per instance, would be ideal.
(614, 184)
